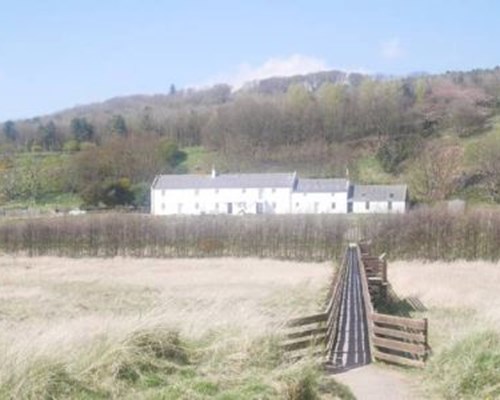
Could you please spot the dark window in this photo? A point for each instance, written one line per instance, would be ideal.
(367, 205)
(334, 206)
(389, 205)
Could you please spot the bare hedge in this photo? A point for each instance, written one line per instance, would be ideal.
(108, 235)
(430, 234)
(436, 234)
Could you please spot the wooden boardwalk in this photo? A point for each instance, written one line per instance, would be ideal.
(351, 344)
(350, 333)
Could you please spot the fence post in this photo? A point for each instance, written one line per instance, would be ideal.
(426, 343)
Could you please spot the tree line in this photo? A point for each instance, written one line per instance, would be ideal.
(325, 120)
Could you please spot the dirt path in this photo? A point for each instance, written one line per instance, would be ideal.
(375, 382)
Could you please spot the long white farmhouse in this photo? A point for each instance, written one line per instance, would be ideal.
(278, 193)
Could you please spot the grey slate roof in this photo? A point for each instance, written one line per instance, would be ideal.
(224, 181)
(321, 185)
(379, 192)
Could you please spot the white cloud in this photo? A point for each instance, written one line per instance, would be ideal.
(296, 64)
(392, 49)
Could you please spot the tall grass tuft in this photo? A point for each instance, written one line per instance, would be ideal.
(470, 369)
(155, 362)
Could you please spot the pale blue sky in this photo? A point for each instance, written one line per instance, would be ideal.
(55, 54)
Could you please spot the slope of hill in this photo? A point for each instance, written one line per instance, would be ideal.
(382, 130)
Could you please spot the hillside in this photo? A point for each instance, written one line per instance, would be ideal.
(439, 133)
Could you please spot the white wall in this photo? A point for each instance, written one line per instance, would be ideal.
(319, 203)
(359, 207)
(277, 201)
(212, 201)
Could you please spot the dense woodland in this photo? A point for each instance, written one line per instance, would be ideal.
(439, 133)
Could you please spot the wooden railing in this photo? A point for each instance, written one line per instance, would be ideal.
(400, 340)
(333, 305)
(366, 299)
(320, 329)
(305, 333)
(393, 339)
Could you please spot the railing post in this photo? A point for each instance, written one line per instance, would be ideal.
(426, 341)
(367, 299)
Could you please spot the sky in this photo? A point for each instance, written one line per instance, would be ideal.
(56, 54)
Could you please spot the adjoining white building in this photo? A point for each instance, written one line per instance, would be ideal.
(277, 193)
(365, 199)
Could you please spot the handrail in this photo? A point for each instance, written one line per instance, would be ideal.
(366, 298)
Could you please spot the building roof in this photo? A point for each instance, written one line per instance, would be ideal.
(322, 185)
(224, 181)
(379, 192)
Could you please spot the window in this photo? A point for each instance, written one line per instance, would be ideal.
(305, 194)
(334, 206)
(216, 191)
(243, 190)
(273, 190)
(389, 205)
(316, 207)
(274, 205)
(163, 192)
(367, 205)
(391, 195)
(297, 205)
(196, 192)
(261, 193)
(216, 206)
(162, 206)
(179, 208)
(196, 206)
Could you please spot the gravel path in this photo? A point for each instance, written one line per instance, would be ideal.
(375, 382)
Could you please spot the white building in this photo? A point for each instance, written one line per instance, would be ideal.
(263, 194)
(365, 199)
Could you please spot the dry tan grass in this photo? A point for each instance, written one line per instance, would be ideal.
(55, 305)
(473, 286)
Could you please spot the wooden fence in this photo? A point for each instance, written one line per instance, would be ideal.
(393, 339)
(306, 335)
(400, 340)
(317, 331)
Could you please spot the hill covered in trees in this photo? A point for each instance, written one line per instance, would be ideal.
(439, 133)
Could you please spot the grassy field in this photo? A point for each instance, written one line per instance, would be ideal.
(170, 329)
(464, 325)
